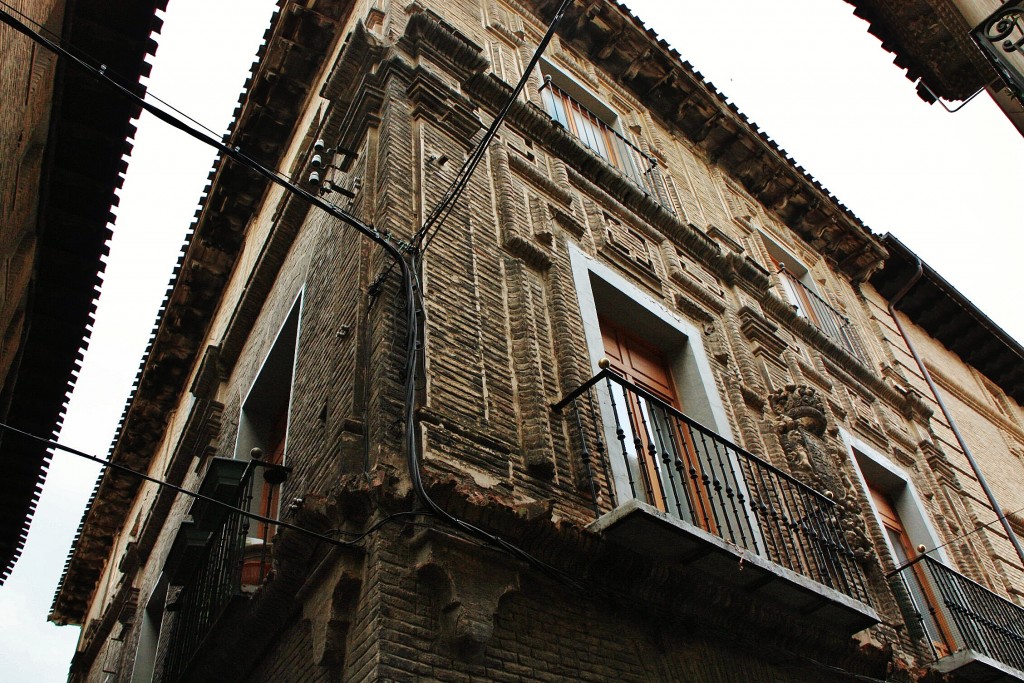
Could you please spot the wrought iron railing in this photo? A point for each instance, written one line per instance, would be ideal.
(228, 562)
(1001, 38)
(955, 613)
(642, 169)
(825, 317)
(635, 445)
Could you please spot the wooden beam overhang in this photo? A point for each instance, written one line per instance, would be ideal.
(296, 46)
(676, 93)
(930, 40)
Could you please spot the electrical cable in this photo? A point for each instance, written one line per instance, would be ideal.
(837, 669)
(421, 240)
(56, 38)
(953, 540)
(412, 295)
(174, 487)
(444, 208)
(438, 215)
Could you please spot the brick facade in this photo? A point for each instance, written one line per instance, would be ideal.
(549, 238)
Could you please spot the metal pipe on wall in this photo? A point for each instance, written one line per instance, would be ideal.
(919, 271)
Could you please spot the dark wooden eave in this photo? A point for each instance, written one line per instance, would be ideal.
(297, 44)
(931, 41)
(89, 135)
(295, 47)
(617, 41)
(939, 309)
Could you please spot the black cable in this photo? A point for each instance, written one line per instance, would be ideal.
(179, 489)
(232, 152)
(953, 540)
(42, 30)
(837, 669)
(444, 208)
(412, 297)
(439, 214)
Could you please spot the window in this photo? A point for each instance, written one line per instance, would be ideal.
(646, 366)
(923, 599)
(802, 293)
(796, 280)
(263, 424)
(662, 356)
(906, 529)
(594, 124)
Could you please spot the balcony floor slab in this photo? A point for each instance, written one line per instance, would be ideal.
(969, 665)
(651, 532)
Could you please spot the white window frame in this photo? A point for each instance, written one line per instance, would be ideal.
(901, 490)
(691, 371)
(248, 436)
(794, 267)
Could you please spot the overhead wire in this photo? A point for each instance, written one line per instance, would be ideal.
(195, 495)
(439, 214)
(327, 538)
(412, 297)
(57, 39)
(976, 529)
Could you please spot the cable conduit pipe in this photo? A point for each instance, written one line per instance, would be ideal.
(918, 273)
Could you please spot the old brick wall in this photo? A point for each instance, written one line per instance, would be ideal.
(990, 423)
(505, 337)
(541, 631)
(289, 660)
(26, 81)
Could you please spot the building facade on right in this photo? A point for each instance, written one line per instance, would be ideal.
(971, 375)
(640, 409)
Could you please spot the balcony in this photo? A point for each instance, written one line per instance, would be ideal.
(972, 631)
(831, 322)
(214, 559)
(1001, 39)
(606, 142)
(682, 493)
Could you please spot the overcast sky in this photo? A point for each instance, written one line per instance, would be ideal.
(805, 71)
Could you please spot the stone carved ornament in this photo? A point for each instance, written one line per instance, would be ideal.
(815, 458)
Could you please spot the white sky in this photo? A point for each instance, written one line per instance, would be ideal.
(805, 71)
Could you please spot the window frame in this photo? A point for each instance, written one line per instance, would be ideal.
(886, 480)
(266, 498)
(604, 135)
(688, 364)
(783, 259)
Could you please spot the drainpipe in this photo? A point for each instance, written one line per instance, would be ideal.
(945, 411)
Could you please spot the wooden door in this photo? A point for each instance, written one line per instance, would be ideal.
(935, 624)
(646, 366)
(270, 494)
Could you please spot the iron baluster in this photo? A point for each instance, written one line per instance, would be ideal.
(599, 447)
(721, 488)
(640, 451)
(620, 434)
(666, 456)
(717, 475)
(648, 444)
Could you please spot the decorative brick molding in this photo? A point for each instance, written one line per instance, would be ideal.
(469, 583)
(814, 457)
